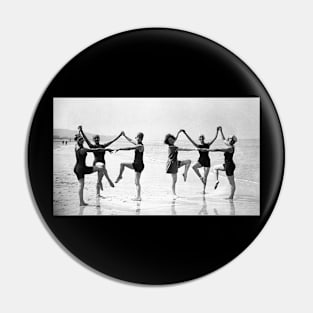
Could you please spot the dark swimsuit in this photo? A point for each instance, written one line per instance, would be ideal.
(204, 159)
(172, 164)
(229, 164)
(99, 155)
(138, 161)
(80, 168)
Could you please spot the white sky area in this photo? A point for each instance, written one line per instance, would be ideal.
(156, 117)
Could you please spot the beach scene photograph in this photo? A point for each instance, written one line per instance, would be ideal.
(156, 156)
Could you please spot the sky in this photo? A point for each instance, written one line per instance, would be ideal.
(156, 117)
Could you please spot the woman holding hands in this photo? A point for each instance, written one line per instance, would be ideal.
(173, 164)
(228, 166)
(137, 165)
(81, 169)
(99, 156)
(204, 159)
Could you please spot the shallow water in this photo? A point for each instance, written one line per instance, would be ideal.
(156, 191)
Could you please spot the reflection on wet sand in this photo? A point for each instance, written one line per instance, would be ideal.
(173, 209)
(232, 210)
(204, 207)
(98, 208)
(138, 209)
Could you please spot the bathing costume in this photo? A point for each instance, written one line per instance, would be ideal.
(99, 155)
(172, 164)
(80, 168)
(229, 164)
(138, 161)
(204, 159)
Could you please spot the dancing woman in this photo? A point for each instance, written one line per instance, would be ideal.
(204, 159)
(137, 165)
(99, 157)
(229, 165)
(173, 164)
(81, 169)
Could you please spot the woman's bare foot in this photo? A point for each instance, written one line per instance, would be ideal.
(175, 197)
(185, 177)
(118, 179)
(83, 204)
(111, 183)
(216, 184)
(136, 199)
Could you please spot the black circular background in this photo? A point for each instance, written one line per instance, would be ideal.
(155, 63)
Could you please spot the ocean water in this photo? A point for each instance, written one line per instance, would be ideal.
(156, 184)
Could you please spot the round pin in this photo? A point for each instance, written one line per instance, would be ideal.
(155, 156)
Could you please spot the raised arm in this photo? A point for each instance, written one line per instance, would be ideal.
(222, 134)
(113, 140)
(80, 129)
(178, 134)
(129, 139)
(189, 138)
(211, 142)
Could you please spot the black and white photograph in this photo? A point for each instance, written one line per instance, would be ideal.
(156, 156)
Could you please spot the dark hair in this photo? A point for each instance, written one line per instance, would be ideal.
(95, 136)
(77, 137)
(140, 135)
(167, 137)
(233, 140)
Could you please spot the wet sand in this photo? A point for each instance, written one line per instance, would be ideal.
(156, 191)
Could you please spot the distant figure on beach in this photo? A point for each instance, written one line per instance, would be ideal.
(137, 165)
(173, 164)
(81, 169)
(204, 159)
(229, 165)
(99, 157)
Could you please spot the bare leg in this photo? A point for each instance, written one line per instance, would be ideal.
(99, 183)
(196, 167)
(205, 177)
(174, 180)
(105, 173)
(81, 192)
(99, 167)
(216, 170)
(187, 164)
(122, 168)
(232, 183)
(138, 186)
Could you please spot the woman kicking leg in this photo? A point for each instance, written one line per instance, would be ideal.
(204, 159)
(81, 169)
(173, 164)
(229, 165)
(99, 157)
(137, 165)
